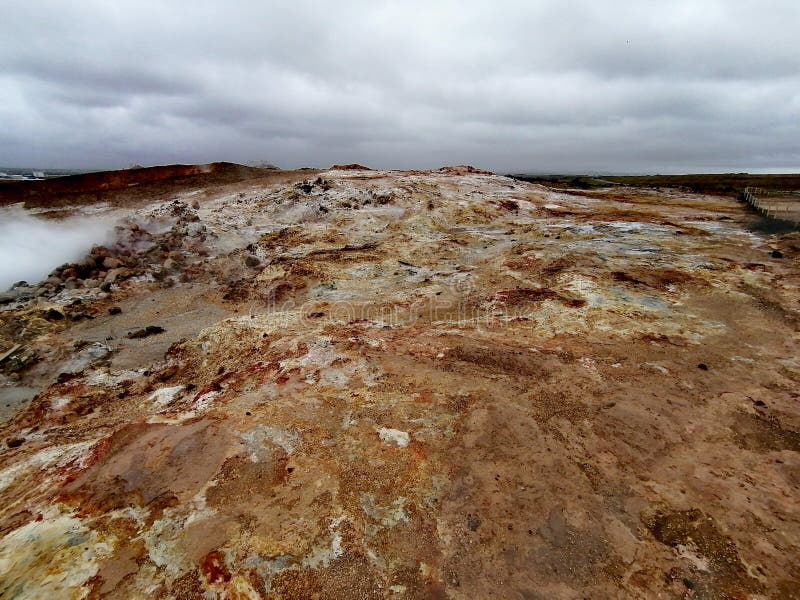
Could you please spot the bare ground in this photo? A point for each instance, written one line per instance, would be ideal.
(410, 385)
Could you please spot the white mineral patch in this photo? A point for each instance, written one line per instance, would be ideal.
(102, 377)
(389, 515)
(399, 438)
(398, 589)
(656, 367)
(58, 403)
(256, 441)
(55, 456)
(690, 554)
(321, 556)
(204, 402)
(163, 542)
(164, 396)
(50, 558)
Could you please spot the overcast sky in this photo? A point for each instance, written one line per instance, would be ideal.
(558, 86)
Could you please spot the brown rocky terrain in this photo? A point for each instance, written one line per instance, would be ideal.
(126, 185)
(371, 384)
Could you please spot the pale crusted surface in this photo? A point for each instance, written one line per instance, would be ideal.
(429, 385)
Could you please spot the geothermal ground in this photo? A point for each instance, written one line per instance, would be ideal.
(374, 384)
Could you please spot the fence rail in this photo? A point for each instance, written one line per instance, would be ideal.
(774, 204)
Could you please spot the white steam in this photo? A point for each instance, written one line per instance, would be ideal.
(31, 247)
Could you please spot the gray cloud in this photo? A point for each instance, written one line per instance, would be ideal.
(620, 85)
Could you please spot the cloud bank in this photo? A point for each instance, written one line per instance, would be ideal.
(619, 85)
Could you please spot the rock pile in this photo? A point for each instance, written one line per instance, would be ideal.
(135, 252)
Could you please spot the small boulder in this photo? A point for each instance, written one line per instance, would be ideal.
(53, 314)
(109, 262)
(115, 274)
(146, 332)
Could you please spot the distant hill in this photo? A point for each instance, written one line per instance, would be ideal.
(96, 186)
(712, 183)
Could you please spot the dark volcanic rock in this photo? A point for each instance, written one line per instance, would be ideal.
(146, 332)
